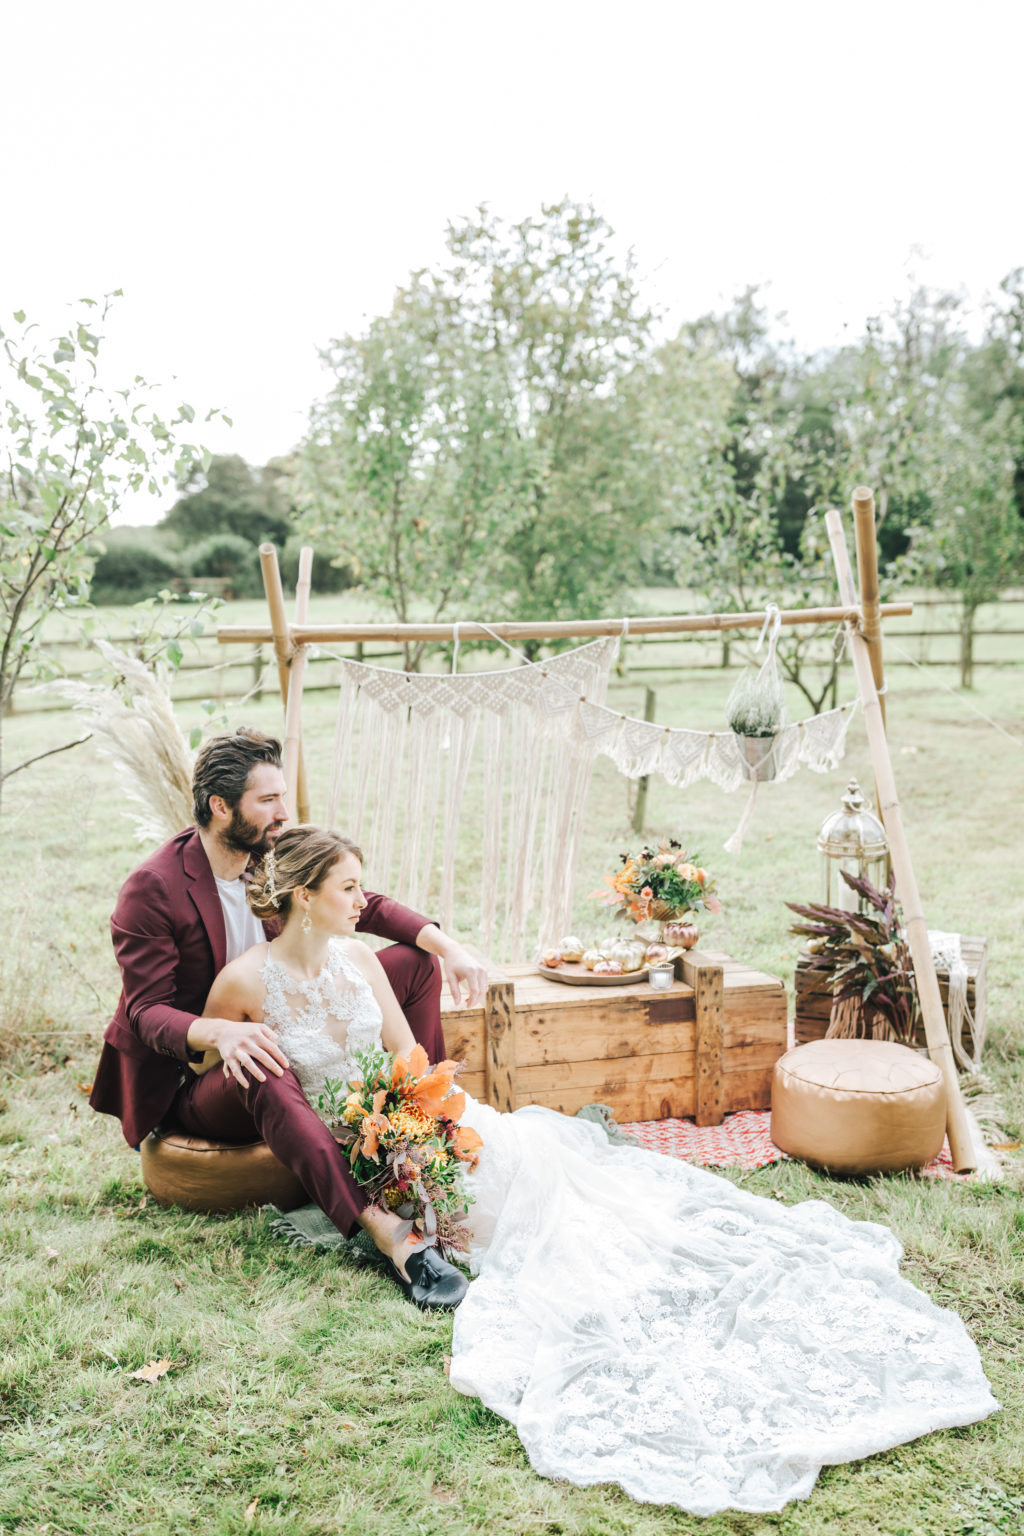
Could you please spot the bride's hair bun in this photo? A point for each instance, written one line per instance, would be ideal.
(301, 859)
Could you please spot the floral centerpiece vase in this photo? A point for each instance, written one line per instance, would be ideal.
(666, 886)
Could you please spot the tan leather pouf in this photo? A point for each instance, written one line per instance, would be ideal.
(858, 1106)
(216, 1175)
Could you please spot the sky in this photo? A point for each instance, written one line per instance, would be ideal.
(259, 177)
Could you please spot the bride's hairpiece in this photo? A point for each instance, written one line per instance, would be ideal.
(269, 881)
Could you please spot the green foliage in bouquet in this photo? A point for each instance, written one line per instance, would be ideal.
(398, 1123)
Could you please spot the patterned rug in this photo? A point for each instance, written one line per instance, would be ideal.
(742, 1139)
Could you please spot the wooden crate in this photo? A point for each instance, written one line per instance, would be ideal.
(704, 1048)
(814, 1000)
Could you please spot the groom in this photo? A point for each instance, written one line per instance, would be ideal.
(180, 917)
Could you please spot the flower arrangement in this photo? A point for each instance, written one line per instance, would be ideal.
(398, 1122)
(665, 884)
(865, 960)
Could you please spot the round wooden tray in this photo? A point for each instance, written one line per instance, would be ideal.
(575, 974)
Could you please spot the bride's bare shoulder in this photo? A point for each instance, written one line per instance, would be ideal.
(358, 954)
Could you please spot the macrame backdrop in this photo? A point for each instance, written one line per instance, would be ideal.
(403, 749)
(405, 744)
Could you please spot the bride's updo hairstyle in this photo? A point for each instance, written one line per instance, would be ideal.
(301, 859)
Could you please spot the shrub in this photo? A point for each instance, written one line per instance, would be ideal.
(225, 557)
(131, 565)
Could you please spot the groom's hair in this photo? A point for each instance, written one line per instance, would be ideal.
(223, 766)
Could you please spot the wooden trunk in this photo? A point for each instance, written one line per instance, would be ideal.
(704, 1048)
(814, 999)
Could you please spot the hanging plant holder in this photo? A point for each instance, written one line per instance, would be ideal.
(757, 756)
(755, 708)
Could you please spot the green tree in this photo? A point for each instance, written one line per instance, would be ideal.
(225, 557)
(69, 451)
(479, 447)
(743, 519)
(228, 496)
(130, 565)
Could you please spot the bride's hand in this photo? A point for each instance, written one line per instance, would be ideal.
(243, 1046)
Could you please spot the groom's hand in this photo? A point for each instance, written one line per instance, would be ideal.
(461, 966)
(243, 1045)
(461, 969)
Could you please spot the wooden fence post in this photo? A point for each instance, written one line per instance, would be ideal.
(640, 809)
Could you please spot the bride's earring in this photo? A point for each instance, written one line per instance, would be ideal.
(306, 925)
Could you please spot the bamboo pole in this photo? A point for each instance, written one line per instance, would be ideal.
(870, 608)
(551, 629)
(936, 1032)
(284, 649)
(867, 572)
(293, 712)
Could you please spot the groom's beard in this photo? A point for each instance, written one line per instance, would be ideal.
(244, 836)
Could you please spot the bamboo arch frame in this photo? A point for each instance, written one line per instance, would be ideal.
(863, 619)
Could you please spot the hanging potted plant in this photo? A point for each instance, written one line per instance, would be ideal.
(756, 717)
(754, 708)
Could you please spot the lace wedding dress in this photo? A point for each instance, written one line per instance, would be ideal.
(646, 1323)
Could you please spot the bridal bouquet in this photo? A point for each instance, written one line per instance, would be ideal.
(399, 1124)
(665, 884)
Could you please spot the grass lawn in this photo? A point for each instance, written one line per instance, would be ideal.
(305, 1382)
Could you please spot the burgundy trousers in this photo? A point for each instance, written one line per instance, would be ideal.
(218, 1108)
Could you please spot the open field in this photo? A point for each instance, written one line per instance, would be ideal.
(305, 1381)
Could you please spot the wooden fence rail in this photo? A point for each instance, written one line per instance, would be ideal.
(238, 676)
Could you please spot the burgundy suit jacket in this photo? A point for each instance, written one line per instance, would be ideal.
(168, 933)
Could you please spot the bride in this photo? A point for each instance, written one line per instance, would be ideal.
(638, 1320)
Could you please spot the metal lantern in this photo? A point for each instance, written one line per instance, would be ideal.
(853, 840)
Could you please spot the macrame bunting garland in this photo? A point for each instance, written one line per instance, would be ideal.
(407, 760)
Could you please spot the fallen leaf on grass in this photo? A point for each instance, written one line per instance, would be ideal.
(153, 1371)
(446, 1364)
(348, 1423)
(250, 1510)
(1007, 1146)
(85, 1088)
(52, 1253)
(179, 1285)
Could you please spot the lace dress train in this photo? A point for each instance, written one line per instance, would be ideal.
(643, 1322)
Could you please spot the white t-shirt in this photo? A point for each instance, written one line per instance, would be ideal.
(241, 929)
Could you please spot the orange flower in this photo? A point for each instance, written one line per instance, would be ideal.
(417, 1064)
(701, 876)
(434, 1095)
(368, 1140)
(466, 1143)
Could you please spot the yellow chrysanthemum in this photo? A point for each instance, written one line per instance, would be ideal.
(411, 1121)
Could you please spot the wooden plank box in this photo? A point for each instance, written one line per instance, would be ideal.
(814, 1000)
(705, 1048)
